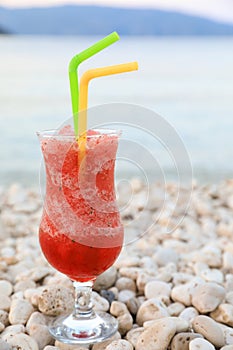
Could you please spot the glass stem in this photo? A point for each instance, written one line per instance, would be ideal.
(83, 304)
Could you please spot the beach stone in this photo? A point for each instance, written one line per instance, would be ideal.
(33, 295)
(150, 310)
(229, 282)
(50, 347)
(208, 296)
(200, 344)
(130, 272)
(133, 335)
(181, 278)
(189, 313)
(229, 298)
(158, 336)
(41, 335)
(99, 303)
(6, 288)
(106, 279)
(165, 255)
(17, 295)
(127, 261)
(199, 267)
(209, 255)
(125, 323)
(228, 333)
(108, 295)
(181, 340)
(4, 345)
(20, 311)
(10, 331)
(4, 317)
(142, 279)
(223, 314)
(154, 289)
(2, 327)
(63, 346)
(24, 285)
(184, 292)
(212, 275)
(23, 341)
(120, 344)
(35, 274)
(56, 300)
(133, 305)
(5, 302)
(104, 344)
(35, 318)
(181, 325)
(125, 295)
(175, 309)
(117, 308)
(227, 347)
(228, 261)
(125, 283)
(209, 329)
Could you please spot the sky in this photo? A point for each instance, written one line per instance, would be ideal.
(221, 10)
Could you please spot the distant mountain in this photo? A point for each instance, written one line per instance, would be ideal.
(88, 20)
(3, 31)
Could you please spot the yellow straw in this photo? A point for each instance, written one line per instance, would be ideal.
(83, 97)
(96, 73)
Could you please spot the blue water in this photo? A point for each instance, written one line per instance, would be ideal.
(188, 81)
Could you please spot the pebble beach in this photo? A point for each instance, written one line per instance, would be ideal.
(168, 291)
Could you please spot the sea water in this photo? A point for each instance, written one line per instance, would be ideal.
(188, 81)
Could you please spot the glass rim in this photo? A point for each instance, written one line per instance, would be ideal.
(53, 133)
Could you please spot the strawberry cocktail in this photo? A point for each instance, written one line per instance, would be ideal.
(80, 234)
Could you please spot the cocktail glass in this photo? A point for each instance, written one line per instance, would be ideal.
(80, 233)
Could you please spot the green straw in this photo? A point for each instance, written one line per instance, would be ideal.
(73, 74)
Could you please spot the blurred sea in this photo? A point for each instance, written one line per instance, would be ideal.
(188, 81)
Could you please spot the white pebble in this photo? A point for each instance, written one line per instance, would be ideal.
(209, 329)
(105, 343)
(5, 288)
(165, 255)
(158, 336)
(223, 314)
(150, 310)
(212, 275)
(4, 345)
(120, 345)
(175, 309)
(5, 302)
(106, 279)
(20, 311)
(200, 344)
(154, 289)
(189, 313)
(99, 303)
(184, 292)
(133, 335)
(23, 341)
(208, 296)
(125, 295)
(125, 283)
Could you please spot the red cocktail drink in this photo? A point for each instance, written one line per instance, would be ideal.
(81, 234)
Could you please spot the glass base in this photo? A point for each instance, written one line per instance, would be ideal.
(70, 330)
